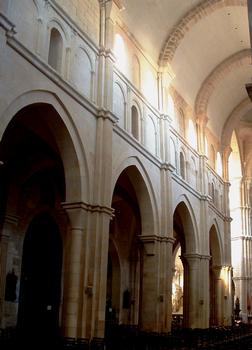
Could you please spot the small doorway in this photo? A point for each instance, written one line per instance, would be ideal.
(40, 286)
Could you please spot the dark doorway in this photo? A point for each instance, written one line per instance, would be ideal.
(39, 301)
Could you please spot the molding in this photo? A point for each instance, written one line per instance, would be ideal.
(52, 74)
(184, 141)
(196, 256)
(156, 238)
(7, 25)
(241, 237)
(11, 219)
(219, 213)
(178, 179)
(92, 208)
(138, 93)
(106, 114)
(137, 145)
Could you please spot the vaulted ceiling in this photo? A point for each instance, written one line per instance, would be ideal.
(207, 45)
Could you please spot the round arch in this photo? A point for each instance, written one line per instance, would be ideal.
(203, 9)
(74, 160)
(234, 62)
(233, 119)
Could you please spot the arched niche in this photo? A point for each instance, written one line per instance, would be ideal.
(55, 50)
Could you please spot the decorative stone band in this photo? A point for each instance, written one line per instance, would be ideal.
(11, 219)
(94, 208)
(107, 53)
(7, 25)
(197, 256)
(106, 114)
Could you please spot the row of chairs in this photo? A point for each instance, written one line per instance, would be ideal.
(130, 338)
(70, 343)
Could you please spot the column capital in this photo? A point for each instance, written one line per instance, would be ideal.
(196, 256)
(75, 209)
(150, 241)
(11, 219)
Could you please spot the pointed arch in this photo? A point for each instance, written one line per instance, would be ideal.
(215, 243)
(77, 182)
(183, 207)
(144, 191)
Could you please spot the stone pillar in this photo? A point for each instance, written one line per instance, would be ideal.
(150, 298)
(228, 301)
(4, 239)
(98, 263)
(156, 283)
(193, 284)
(218, 295)
(84, 297)
(73, 268)
(166, 276)
(204, 297)
(9, 228)
(222, 280)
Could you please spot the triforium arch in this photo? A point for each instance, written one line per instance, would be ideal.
(216, 287)
(186, 272)
(43, 166)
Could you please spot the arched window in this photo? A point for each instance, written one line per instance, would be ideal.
(119, 104)
(193, 175)
(170, 107)
(206, 147)
(134, 122)
(150, 135)
(82, 72)
(213, 192)
(173, 152)
(136, 71)
(219, 164)
(212, 156)
(182, 165)
(181, 122)
(120, 52)
(55, 50)
(192, 136)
